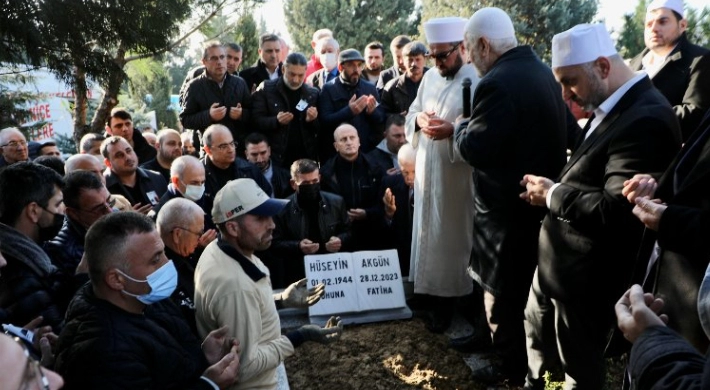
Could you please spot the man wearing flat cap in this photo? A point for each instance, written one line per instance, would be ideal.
(347, 99)
(233, 287)
(589, 237)
(443, 188)
(679, 69)
(508, 135)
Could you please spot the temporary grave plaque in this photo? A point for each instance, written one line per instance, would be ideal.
(361, 287)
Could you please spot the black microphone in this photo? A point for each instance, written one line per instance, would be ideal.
(466, 87)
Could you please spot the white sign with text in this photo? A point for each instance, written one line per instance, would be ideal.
(356, 282)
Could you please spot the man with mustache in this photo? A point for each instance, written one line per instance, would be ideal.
(400, 92)
(374, 59)
(124, 177)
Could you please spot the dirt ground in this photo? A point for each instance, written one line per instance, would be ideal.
(390, 355)
(381, 356)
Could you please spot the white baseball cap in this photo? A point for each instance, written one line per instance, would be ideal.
(244, 196)
(581, 44)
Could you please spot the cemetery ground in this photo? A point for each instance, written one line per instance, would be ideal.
(397, 355)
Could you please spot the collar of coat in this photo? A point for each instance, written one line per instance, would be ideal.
(249, 268)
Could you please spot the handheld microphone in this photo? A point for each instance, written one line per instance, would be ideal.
(466, 90)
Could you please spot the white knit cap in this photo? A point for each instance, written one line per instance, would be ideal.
(673, 5)
(492, 23)
(581, 44)
(444, 30)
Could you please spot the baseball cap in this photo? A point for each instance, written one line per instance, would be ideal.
(244, 196)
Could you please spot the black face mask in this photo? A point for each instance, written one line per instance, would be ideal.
(49, 232)
(308, 193)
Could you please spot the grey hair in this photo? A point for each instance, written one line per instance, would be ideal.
(177, 212)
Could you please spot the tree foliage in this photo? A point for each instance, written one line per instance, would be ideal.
(354, 23)
(535, 21)
(81, 39)
(14, 103)
(247, 36)
(148, 77)
(630, 41)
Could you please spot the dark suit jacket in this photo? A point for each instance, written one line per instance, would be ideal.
(395, 97)
(270, 99)
(385, 76)
(333, 110)
(685, 81)
(682, 236)
(152, 185)
(589, 234)
(397, 233)
(518, 126)
(256, 74)
(280, 182)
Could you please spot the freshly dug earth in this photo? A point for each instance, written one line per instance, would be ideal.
(392, 355)
(389, 355)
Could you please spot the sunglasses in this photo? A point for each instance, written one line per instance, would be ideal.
(443, 55)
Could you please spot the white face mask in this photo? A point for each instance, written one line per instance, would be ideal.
(328, 60)
(194, 193)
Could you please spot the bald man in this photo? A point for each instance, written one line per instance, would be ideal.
(356, 177)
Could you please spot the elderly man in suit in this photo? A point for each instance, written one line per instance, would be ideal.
(507, 136)
(589, 234)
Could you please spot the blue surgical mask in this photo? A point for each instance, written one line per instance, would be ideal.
(162, 283)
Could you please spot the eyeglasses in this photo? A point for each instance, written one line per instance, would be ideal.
(15, 144)
(216, 58)
(227, 145)
(443, 55)
(103, 208)
(198, 234)
(32, 369)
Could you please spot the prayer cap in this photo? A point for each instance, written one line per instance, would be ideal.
(581, 44)
(673, 5)
(492, 23)
(444, 30)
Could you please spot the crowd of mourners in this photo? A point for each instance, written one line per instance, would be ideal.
(160, 260)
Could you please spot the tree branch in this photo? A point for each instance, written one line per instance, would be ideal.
(183, 38)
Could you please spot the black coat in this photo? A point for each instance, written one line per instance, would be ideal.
(240, 169)
(270, 99)
(30, 285)
(381, 158)
(256, 74)
(395, 97)
(152, 185)
(364, 195)
(105, 347)
(661, 359)
(203, 92)
(518, 126)
(589, 233)
(684, 80)
(334, 111)
(682, 234)
(398, 231)
(385, 77)
(281, 182)
(65, 251)
(292, 227)
(143, 149)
